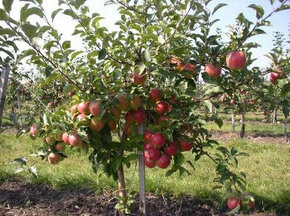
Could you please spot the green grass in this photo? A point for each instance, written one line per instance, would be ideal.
(267, 168)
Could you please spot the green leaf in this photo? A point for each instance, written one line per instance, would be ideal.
(3, 15)
(75, 54)
(208, 105)
(30, 11)
(146, 55)
(29, 30)
(218, 7)
(54, 13)
(285, 89)
(257, 32)
(259, 10)
(102, 54)
(70, 13)
(39, 1)
(272, 2)
(6, 31)
(78, 3)
(179, 159)
(66, 44)
(283, 7)
(7, 5)
(219, 122)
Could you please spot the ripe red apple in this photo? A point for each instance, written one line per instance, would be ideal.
(223, 98)
(155, 95)
(232, 101)
(75, 140)
(163, 119)
(213, 71)
(233, 202)
(163, 162)
(60, 147)
(83, 107)
(236, 60)
(129, 118)
(274, 77)
(148, 136)
(65, 138)
(124, 102)
(161, 107)
(127, 130)
(174, 60)
(97, 124)
(152, 154)
(139, 79)
(112, 124)
(149, 163)
(189, 67)
(33, 129)
(172, 149)
(158, 140)
(135, 102)
(139, 116)
(185, 145)
(54, 158)
(94, 108)
(148, 145)
(74, 108)
(49, 140)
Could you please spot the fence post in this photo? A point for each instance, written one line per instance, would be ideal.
(3, 85)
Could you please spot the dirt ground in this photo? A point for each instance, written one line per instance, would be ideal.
(22, 198)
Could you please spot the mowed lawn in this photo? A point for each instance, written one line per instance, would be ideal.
(267, 169)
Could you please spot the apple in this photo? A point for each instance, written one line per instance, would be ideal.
(94, 108)
(135, 102)
(274, 77)
(116, 112)
(74, 140)
(163, 119)
(172, 149)
(148, 145)
(129, 118)
(212, 70)
(179, 67)
(152, 153)
(236, 60)
(33, 129)
(60, 147)
(233, 202)
(97, 124)
(83, 119)
(139, 116)
(163, 162)
(124, 102)
(54, 158)
(139, 79)
(232, 101)
(127, 130)
(65, 138)
(83, 107)
(74, 108)
(161, 107)
(174, 60)
(49, 140)
(185, 145)
(223, 98)
(158, 140)
(112, 124)
(149, 163)
(148, 136)
(51, 104)
(189, 67)
(155, 95)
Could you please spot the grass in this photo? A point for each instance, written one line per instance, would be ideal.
(267, 168)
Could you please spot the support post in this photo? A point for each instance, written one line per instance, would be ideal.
(3, 86)
(142, 203)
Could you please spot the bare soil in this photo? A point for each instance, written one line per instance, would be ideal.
(22, 198)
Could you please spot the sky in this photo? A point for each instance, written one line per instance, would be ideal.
(280, 21)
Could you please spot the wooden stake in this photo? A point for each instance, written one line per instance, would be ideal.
(142, 204)
(3, 86)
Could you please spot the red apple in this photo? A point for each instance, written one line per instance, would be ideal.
(149, 163)
(65, 138)
(139, 116)
(155, 95)
(189, 67)
(129, 118)
(148, 136)
(135, 102)
(233, 202)
(112, 124)
(172, 149)
(139, 79)
(236, 60)
(97, 124)
(163, 119)
(33, 129)
(213, 71)
(161, 107)
(54, 158)
(51, 104)
(163, 162)
(94, 108)
(223, 98)
(174, 60)
(116, 112)
(158, 140)
(49, 140)
(74, 140)
(74, 108)
(274, 77)
(185, 145)
(152, 154)
(60, 147)
(83, 107)
(124, 102)
(232, 101)
(148, 146)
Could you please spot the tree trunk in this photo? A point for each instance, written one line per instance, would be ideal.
(3, 86)
(285, 129)
(242, 132)
(275, 115)
(142, 203)
(19, 107)
(121, 186)
(233, 121)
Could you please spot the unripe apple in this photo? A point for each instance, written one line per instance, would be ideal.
(139, 79)
(158, 140)
(233, 202)
(152, 154)
(33, 129)
(124, 102)
(54, 158)
(97, 124)
(149, 163)
(274, 77)
(161, 107)
(60, 147)
(83, 107)
(75, 140)
(172, 149)
(212, 70)
(236, 60)
(185, 145)
(135, 102)
(155, 95)
(65, 138)
(94, 108)
(163, 162)
(139, 116)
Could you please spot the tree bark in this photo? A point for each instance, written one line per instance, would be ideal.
(121, 185)
(3, 87)
(275, 115)
(19, 107)
(142, 203)
(233, 121)
(242, 132)
(285, 129)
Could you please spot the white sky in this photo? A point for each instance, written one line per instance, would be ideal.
(226, 15)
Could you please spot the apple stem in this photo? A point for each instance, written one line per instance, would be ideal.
(142, 206)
